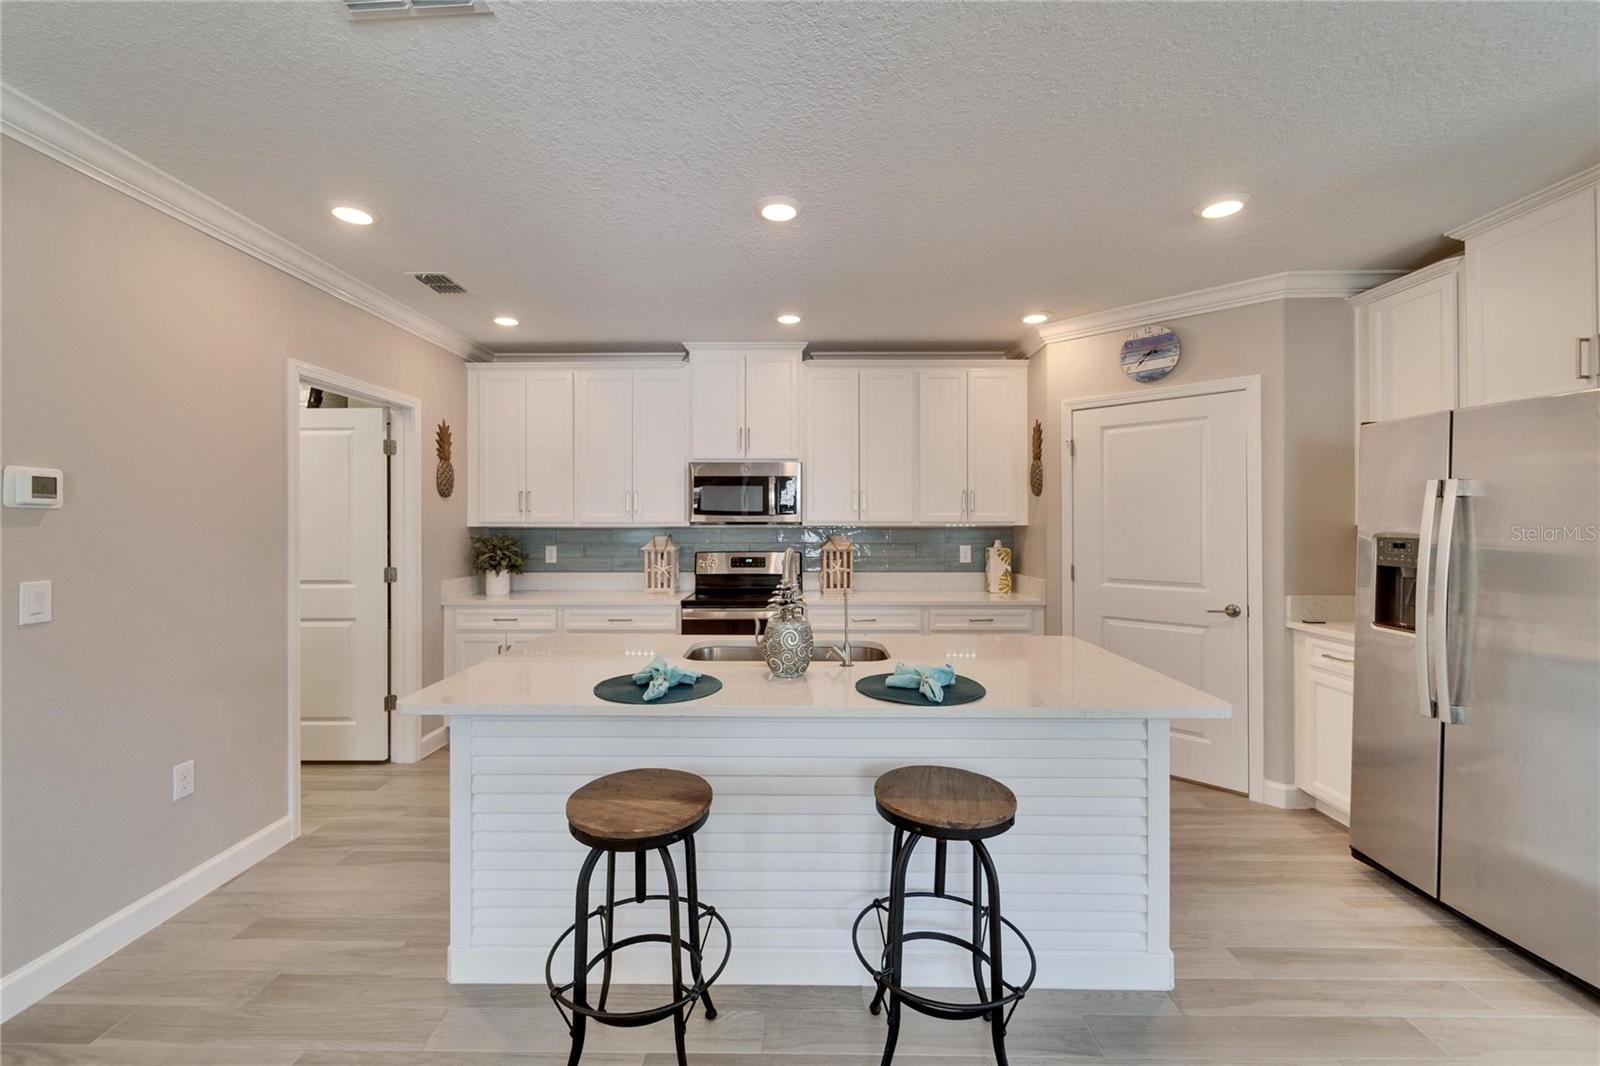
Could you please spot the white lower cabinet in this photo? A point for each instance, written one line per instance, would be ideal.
(867, 619)
(619, 620)
(1324, 682)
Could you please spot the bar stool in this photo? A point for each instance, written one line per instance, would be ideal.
(945, 804)
(637, 811)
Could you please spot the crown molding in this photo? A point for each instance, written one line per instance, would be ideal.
(1292, 284)
(1411, 280)
(1566, 187)
(796, 347)
(30, 123)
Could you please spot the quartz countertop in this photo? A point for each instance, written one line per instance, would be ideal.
(921, 598)
(641, 598)
(1026, 677)
(1343, 632)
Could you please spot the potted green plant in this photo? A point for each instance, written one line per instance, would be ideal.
(497, 556)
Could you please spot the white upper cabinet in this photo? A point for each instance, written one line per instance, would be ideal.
(1406, 351)
(832, 471)
(942, 455)
(519, 447)
(1531, 299)
(888, 480)
(631, 457)
(745, 401)
(661, 446)
(997, 405)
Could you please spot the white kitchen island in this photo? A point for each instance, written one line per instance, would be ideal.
(794, 847)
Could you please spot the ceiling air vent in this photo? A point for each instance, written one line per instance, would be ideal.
(443, 284)
(389, 9)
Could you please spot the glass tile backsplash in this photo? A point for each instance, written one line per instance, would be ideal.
(877, 549)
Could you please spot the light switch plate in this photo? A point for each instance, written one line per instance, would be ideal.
(33, 602)
(966, 553)
(182, 780)
(549, 553)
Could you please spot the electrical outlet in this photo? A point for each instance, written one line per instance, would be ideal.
(966, 553)
(182, 780)
(549, 553)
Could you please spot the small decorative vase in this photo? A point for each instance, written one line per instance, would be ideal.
(497, 583)
(788, 643)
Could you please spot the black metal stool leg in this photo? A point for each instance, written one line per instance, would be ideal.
(676, 945)
(897, 926)
(608, 930)
(692, 878)
(997, 987)
(977, 928)
(580, 955)
(883, 965)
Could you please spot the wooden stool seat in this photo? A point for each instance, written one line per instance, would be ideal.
(638, 810)
(945, 803)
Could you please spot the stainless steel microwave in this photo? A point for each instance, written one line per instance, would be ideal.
(754, 493)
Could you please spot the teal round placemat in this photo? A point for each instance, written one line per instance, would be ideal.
(963, 690)
(623, 689)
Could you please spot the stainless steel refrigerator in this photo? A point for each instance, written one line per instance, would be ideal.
(1476, 772)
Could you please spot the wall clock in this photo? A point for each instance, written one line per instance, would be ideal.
(1149, 353)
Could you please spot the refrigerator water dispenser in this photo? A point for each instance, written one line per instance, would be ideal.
(1394, 603)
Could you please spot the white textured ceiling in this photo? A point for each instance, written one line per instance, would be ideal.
(593, 168)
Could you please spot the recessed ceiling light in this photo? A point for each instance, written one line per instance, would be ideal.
(1223, 206)
(778, 209)
(789, 320)
(354, 215)
(1034, 318)
(506, 320)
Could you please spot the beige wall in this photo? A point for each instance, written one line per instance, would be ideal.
(147, 361)
(1303, 352)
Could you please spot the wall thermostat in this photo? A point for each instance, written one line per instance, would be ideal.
(33, 486)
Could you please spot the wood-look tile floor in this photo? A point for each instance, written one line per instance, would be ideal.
(331, 953)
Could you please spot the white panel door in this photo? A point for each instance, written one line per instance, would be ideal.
(344, 602)
(996, 404)
(772, 405)
(660, 446)
(1159, 544)
(605, 446)
(497, 448)
(1531, 292)
(716, 391)
(888, 481)
(942, 450)
(549, 499)
(833, 446)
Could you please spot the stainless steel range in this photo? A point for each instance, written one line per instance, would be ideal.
(731, 592)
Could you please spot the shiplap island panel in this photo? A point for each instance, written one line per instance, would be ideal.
(794, 848)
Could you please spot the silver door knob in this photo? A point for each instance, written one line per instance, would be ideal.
(1232, 611)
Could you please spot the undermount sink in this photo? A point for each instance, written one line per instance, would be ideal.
(747, 652)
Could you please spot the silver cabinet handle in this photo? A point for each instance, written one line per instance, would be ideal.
(1583, 358)
(1337, 658)
(505, 619)
(619, 619)
(972, 502)
(1232, 610)
(859, 620)
(975, 620)
(1430, 509)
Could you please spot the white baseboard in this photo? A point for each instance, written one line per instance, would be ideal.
(1328, 810)
(33, 981)
(827, 966)
(433, 742)
(1289, 798)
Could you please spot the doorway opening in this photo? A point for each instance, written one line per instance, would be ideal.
(1162, 554)
(354, 615)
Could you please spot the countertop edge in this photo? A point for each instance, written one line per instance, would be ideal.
(1338, 632)
(878, 709)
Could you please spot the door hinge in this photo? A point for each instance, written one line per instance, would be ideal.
(1072, 571)
(1072, 448)
(391, 574)
(391, 702)
(390, 447)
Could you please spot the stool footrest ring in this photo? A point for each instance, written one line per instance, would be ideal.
(628, 1019)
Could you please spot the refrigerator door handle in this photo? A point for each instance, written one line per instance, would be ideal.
(1447, 705)
(1430, 509)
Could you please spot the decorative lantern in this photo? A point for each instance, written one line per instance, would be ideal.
(838, 564)
(660, 564)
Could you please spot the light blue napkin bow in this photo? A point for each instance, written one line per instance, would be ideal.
(658, 677)
(931, 680)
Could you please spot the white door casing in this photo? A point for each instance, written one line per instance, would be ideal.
(660, 447)
(888, 444)
(1159, 545)
(342, 553)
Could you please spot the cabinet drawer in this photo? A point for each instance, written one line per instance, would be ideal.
(508, 619)
(866, 619)
(1330, 656)
(652, 619)
(984, 619)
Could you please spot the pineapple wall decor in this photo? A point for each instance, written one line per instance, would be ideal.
(1036, 468)
(445, 476)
